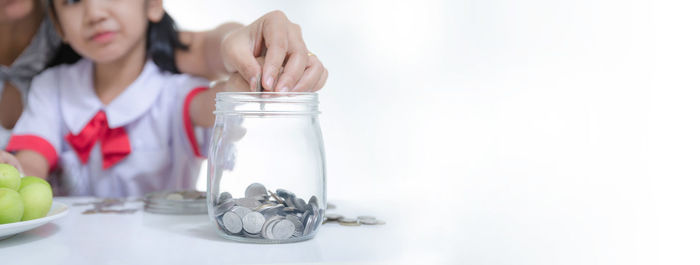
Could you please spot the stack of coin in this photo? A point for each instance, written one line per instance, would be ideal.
(278, 215)
(360, 220)
(176, 202)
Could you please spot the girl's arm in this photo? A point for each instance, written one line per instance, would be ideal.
(33, 164)
(202, 105)
(28, 162)
(202, 108)
(203, 57)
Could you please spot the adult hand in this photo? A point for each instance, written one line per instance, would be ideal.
(280, 42)
(236, 82)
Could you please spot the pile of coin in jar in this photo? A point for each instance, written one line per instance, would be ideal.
(265, 214)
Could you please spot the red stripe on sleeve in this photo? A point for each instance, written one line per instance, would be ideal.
(189, 129)
(36, 144)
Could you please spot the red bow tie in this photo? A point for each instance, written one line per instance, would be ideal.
(114, 142)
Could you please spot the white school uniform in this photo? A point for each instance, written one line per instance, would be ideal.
(165, 151)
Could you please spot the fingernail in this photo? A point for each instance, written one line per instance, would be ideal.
(285, 89)
(269, 82)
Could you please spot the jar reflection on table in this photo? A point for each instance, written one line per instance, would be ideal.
(266, 173)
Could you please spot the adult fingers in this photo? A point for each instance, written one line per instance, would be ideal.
(238, 51)
(322, 81)
(297, 62)
(293, 72)
(274, 31)
(311, 76)
(236, 82)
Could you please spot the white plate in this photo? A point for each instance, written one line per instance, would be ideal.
(58, 210)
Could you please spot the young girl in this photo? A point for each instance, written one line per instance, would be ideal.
(119, 121)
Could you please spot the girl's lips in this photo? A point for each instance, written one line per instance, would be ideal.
(103, 37)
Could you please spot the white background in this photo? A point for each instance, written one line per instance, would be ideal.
(509, 132)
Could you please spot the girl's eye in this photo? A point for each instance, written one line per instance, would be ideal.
(71, 2)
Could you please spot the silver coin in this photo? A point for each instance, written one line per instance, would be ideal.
(277, 198)
(224, 207)
(347, 220)
(283, 229)
(241, 211)
(284, 193)
(333, 216)
(264, 206)
(193, 195)
(221, 223)
(253, 222)
(298, 227)
(232, 222)
(246, 234)
(366, 218)
(371, 222)
(255, 191)
(248, 202)
(313, 200)
(315, 212)
(272, 211)
(287, 197)
(319, 218)
(289, 201)
(266, 231)
(349, 224)
(308, 222)
(299, 203)
(224, 196)
(174, 197)
(304, 216)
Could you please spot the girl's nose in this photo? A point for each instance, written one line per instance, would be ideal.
(94, 11)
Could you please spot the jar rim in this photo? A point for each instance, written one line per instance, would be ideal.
(298, 97)
(268, 92)
(268, 103)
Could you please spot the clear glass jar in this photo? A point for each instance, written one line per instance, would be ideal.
(266, 172)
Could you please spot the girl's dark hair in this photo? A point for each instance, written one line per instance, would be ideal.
(162, 41)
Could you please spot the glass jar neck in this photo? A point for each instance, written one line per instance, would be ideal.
(267, 103)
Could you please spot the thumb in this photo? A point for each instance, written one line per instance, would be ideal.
(239, 58)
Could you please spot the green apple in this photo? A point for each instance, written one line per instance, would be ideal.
(30, 179)
(37, 198)
(11, 206)
(9, 177)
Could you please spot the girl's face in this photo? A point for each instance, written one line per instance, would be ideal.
(106, 30)
(13, 10)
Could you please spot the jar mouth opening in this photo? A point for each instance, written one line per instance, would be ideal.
(310, 97)
(268, 93)
(267, 103)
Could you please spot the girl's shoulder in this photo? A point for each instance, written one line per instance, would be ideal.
(63, 71)
(58, 75)
(156, 89)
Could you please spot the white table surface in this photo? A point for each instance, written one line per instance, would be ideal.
(146, 238)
